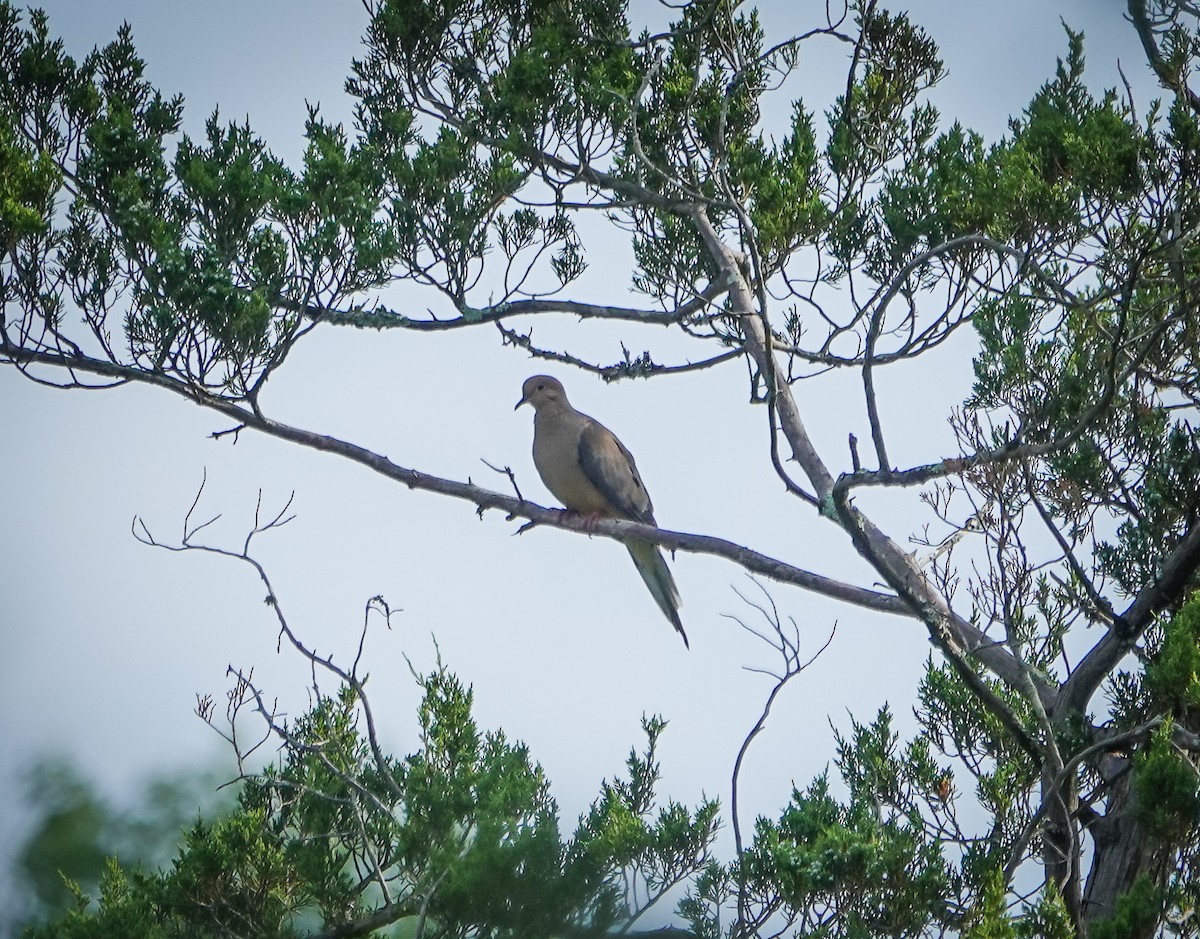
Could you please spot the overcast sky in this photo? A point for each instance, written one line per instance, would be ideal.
(107, 642)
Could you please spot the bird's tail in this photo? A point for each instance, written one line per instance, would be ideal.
(653, 568)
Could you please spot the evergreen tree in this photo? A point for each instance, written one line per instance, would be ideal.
(486, 131)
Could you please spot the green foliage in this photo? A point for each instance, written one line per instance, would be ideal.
(874, 123)
(1047, 917)
(783, 185)
(1170, 493)
(463, 832)
(126, 908)
(664, 848)
(483, 131)
(1138, 912)
(26, 184)
(69, 839)
(1168, 790)
(232, 877)
(1069, 151)
(992, 915)
(530, 75)
(876, 126)
(943, 192)
(879, 875)
(1003, 773)
(1173, 677)
(74, 827)
(990, 919)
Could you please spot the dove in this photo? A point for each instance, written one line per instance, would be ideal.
(590, 471)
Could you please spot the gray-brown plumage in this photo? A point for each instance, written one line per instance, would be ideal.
(589, 470)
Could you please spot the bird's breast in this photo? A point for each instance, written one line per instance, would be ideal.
(557, 460)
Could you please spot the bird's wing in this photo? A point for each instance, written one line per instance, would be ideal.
(611, 469)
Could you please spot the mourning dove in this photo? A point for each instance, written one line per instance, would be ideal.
(589, 470)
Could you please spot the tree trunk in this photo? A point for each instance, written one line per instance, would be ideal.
(1124, 850)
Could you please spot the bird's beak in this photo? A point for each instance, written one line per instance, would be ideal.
(519, 403)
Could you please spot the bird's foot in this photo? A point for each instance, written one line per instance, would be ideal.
(588, 522)
(591, 520)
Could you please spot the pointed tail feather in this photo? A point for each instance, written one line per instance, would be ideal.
(653, 568)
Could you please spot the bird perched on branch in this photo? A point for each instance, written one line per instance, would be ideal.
(589, 470)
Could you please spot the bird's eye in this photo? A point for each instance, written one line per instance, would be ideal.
(541, 387)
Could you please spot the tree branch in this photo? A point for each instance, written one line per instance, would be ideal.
(383, 317)
(948, 631)
(1177, 572)
(1176, 83)
(485, 499)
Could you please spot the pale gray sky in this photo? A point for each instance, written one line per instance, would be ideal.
(107, 642)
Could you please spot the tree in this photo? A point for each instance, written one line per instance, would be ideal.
(490, 139)
(76, 827)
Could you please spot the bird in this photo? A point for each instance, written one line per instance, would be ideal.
(590, 471)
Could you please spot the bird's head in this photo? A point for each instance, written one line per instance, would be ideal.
(540, 391)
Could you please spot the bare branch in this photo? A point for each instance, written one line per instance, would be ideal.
(1177, 572)
(786, 643)
(486, 499)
